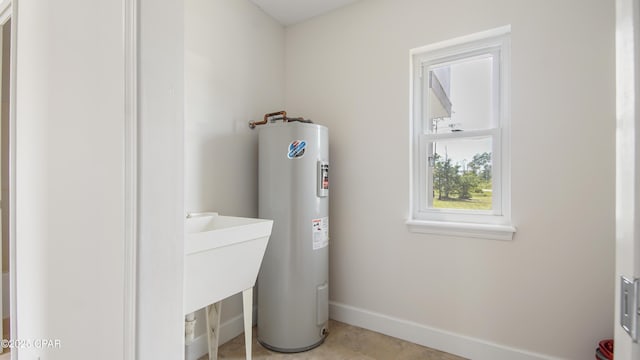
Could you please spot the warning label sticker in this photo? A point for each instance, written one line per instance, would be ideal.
(320, 233)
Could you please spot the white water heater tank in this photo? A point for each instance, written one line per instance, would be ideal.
(293, 283)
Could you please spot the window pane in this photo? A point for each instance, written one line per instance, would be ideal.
(461, 96)
(460, 174)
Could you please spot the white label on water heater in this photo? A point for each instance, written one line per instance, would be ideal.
(323, 179)
(320, 233)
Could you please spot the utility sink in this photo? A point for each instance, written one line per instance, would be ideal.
(222, 256)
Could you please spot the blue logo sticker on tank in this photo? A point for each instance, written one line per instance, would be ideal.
(296, 149)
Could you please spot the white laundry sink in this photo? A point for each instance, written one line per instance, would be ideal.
(222, 257)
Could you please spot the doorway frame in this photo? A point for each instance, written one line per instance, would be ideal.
(153, 158)
(8, 10)
(131, 118)
(627, 165)
(130, 33)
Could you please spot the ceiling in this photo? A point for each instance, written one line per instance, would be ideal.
(289, 12)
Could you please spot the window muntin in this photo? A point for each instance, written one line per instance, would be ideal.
(460, 118)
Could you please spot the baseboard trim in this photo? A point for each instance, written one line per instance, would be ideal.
(228, 330)
(465, 346)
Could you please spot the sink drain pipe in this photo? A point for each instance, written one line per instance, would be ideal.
(189, 328)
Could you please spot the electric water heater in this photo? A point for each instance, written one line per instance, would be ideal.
(293, 283)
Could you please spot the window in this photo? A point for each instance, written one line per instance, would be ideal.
(460, 137)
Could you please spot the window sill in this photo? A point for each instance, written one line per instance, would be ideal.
(481, 231)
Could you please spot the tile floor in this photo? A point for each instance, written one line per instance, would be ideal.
(345, 342)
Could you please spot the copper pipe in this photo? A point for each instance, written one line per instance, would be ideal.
(253, 124)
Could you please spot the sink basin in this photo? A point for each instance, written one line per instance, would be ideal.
(222, 257)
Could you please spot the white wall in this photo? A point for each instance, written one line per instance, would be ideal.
(234, 73)
(548, 291)
(72, 215)
(70, 212)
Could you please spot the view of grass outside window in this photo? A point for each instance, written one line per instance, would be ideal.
(460, 107)
(466, 186)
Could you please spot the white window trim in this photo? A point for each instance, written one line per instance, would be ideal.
(495, 224)
(471, 230)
